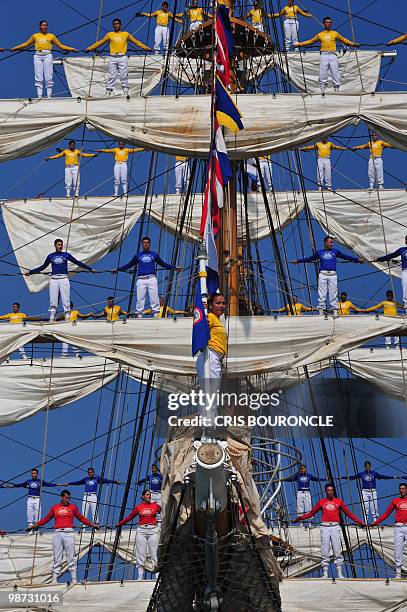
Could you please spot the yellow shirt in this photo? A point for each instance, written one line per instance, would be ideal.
(328, 39)
(256, 15)
(324, 148)
(180, 158)
(14, 317)
(290, 12)
(219, 338)
(112, 312)
(376, 147)
(118, 42)
(71, 157)
(121, 155)
(297, 307)
(344, 308)
(75, 315)
(389, 308)
(43, 42)
(197, 14)
(162, 17)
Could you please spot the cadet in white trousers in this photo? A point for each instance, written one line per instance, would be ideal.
(330, 529)
(121, 155)
(327, 279)
(90, 497)
(146, 284)
(162, 32)
(291, 12)
(402, 253)
(328, 65)
(148, 533)
(43, 60)
(72, 155)
(196, 16)
(64, 536)
(59, 284)
(303, 480)
(118, 60)
(399, 504)
(375, 165)
(324, 169)
(181, 174)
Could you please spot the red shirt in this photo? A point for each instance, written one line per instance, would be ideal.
(400, 505)
(330, 511)
(64, 516)
(147, 514)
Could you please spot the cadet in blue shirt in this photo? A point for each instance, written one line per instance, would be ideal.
(33, 486)
(402, 253)
(90, 499)
(146, 284)
(303, 480)
(327, 280)
(154, 483)
(369, 492)
(59, 283)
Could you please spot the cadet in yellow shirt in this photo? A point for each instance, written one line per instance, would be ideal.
(375, 166)
(16, 317)
(121, 155)
(297, 307)
(74, 315)
(118, 62)
(111, 311)
(72, 155)
(256, 15)
(290, 13)
(345, 305)
(181, 173)
(324, 168)
(389, 306)
(329, 60)
(196, 15)
(43, 60)
(168, 310)
(218, 342)
(162, 33)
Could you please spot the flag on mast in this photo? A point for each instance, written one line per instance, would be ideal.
(226, 110)
(224, 43)
(200, 328)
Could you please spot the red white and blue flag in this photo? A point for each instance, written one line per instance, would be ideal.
(223, 43)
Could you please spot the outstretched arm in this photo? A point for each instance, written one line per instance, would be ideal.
(128, 518)
(79, 263)
(163, 264)
(338, 148)
(98, 43)
(40, 268)
(384, 515)
(57, 156)
(372, 308)
(356, 308)
(303, 13)
(395, 41)
(389, 256)
(310, 148)
(83, 519)
(24, 45)
(310, 514)
(62, 46)
(350, 514)
(306, 43)
(347, 257)
(138, 43)
(346, 41)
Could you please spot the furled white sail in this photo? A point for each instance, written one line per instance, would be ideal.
(298, 595)
(38, 222)
(181, 125)
(256, 344)
(359, 71)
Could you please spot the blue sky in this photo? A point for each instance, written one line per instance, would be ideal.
(28, 177)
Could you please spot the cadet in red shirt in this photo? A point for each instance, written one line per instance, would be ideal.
(64, 537)
(399, 504)
(330, 528)
(147, 530)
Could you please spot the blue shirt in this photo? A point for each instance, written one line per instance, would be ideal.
(146, 262)
(304, 480)
(369, 478)
(327, 259)
(91, 484)
(59, 263)
(33, 486)
(401, 252)
(154, 482)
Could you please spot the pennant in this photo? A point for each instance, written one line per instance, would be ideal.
(200, 328)
(226, 110)
(224, 43)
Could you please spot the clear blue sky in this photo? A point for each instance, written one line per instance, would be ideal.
(28, 177)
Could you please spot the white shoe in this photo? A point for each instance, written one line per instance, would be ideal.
(340, 575)
(139, 316)
(321, 312)
(325, 575)
(397, 576)
(335, 313)
(387, 347)
(24, 356)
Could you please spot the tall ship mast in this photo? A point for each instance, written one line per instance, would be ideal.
(241, 425)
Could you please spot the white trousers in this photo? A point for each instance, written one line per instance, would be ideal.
(404, 286)
(375, 171)
(331, 535)
(194, 25)
(181, 176)
(370, 503)
(215, 372)
(303, 502)
(161, 35)
(72, 179)
(156, 497)
(146, 543)
(324, 172)
(329, 66)
(118, 68)
(258, 26)
(59, 287)
(388, 339)
(65, 349)
(89, 504)
(120, 176)
(147, 285)
(400, 539)
(22, 352)
(327, 287)
(43, 71)
(290, 32)
(33, 510)
(265, 169)
(64, 542)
